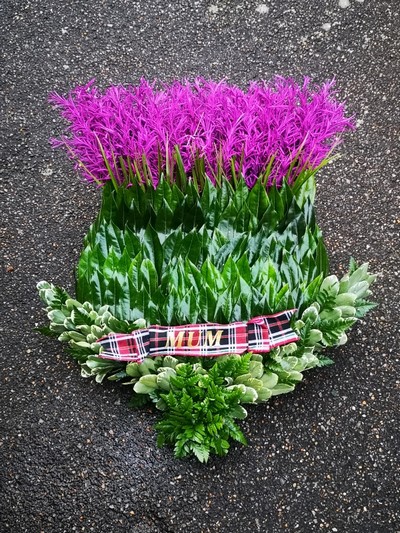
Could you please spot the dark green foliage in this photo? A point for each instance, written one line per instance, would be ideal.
(227, 253)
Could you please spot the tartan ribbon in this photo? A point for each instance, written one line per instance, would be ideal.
(260, 334)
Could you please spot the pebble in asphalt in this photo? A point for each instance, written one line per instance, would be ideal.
(74, 457)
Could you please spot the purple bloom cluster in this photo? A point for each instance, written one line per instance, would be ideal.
(294, 126)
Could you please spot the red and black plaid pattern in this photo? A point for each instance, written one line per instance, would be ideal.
(260, 334)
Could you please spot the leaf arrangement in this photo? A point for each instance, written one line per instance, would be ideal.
(170, 255)
(207, 216)
(224, 254)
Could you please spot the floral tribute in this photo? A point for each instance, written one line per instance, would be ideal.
(203, 283)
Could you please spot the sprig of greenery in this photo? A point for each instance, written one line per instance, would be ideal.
(199, 414)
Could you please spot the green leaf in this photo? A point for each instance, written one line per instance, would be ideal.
(149, 277)
(258, 201)
(325, 361)
(363, 306)
(141, 388)
(322, 259)
(304, 188)
(352, 266)
(238, 412)
(152, 249)
(282, 388)
(45, 330)
(201, 452)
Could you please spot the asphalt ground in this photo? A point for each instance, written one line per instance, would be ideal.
(73, 455)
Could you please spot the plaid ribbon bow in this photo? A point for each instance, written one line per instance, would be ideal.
(260, 334)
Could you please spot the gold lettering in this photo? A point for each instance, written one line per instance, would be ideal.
(173, 341)
(216, 339)
(190, 339)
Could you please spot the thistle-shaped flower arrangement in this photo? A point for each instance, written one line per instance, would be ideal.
(207, 218)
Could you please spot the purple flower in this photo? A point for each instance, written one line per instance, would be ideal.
(295, 126)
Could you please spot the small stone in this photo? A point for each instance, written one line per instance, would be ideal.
(47, 172)
(9, 268)
(344, 3)
(262, 8)
(327, 26)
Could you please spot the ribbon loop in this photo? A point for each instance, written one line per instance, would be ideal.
(260, 334)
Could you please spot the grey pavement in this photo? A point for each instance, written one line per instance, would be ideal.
(73, 455)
